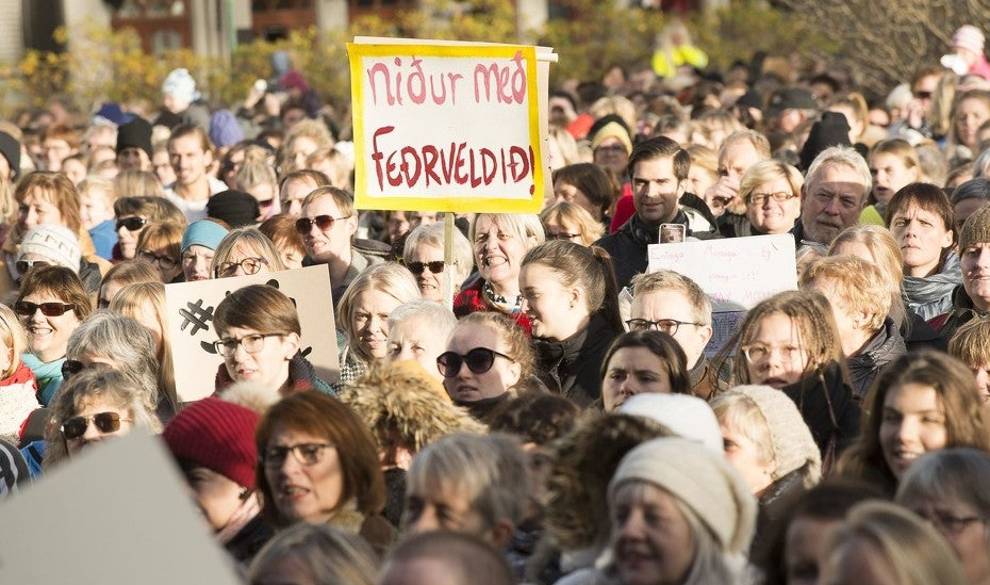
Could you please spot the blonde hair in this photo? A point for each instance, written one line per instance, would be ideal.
(432, 235)
(709, 123)
(130, 301)
(327, 555)
(856, 282)
(255, 171)
(525, 226)
(902, 149)
(766, 171)
(573, 214)
(343, 199)
(756, 139)
(886, 256)
(166, 237)
(257, 242)
(668, 280)
(617, 105)
(100, 185)
(971, 343)
(390, 278)
(704, 157)
(13, 337)
(138, 184)
(741, 412)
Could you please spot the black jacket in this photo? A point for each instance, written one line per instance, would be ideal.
(819, 393)
(773, 503)
(884, 347)
(628, 246)
(249, 540)
(963, 311)
(572, 367)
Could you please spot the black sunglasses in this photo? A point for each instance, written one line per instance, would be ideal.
(479, 360)
(47, 309)
(417, 268)
(71, 368)
(24, 265)
(324, 222)
(106, 422)
(132, 224)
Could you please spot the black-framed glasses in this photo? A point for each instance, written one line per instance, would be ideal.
(248, 265)
(23, 266)
(305, 453)
(252, 343)
(668, 326)
(106, 422)
(132, 224)
(947, 521)
(780, 197)
(479, 360)
(53, 309)
(71, 368)
(323, 222)
(417, 268)
(162, 260)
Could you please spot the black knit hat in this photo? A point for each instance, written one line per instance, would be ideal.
(831, 130)
(134, 134)
(10, 149)
(237, 208)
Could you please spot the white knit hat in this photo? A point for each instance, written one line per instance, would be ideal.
(181, 85)
(968, 37)
(790, 438)
(687, 416)
(57, 243)
(700, 479)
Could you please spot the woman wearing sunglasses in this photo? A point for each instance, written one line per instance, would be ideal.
(318, 463)
(487, 355)
(160, 245)
(51, 304)
(259, 342)
(134, 214)
(245, 251)
(423, 256)
(95, 405)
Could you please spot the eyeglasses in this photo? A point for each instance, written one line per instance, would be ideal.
(265, 204)
(780, 197)
(47, 309)
(324, 222)
(948, 522)
(71, 368)
(252, 343)
(132, 224)
(562, 236)
(163, 261)
(417, 268)
(305, 453)
(248, 265)
(479, 360)
(923, 95)
(106, 422)
(668, 326)
(24, 265)
(758, 352)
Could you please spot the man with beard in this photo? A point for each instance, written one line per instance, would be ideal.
(834, 193)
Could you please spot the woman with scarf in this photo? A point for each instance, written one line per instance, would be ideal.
(570, 298)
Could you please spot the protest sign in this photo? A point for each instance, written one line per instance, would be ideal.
(736, 274)
(117, 514)
(191, 305)
(448, 126)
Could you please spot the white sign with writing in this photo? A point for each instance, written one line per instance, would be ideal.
(190, 313)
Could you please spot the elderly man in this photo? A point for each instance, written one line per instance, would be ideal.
(833, 195)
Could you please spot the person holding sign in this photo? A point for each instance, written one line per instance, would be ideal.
(259, 340)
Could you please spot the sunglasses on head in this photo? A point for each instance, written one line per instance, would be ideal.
(71, 368)
(479, 360)
(132, 224)
(47, 309)
(24, 265)
(323, 222)
(417, 268)
(106, 422)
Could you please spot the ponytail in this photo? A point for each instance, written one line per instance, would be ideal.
(609, 308)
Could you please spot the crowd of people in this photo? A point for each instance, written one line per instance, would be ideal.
(568, 420)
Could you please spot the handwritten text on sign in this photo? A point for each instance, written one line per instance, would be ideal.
(446, 127)
(736, 273)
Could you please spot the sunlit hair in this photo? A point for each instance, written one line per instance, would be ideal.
(138, 184)
(389, 278)
(618, 105)
(314, 130)
(767, 171)
(13, 337)
(136, 300)
(958, 475)
(756, 139)
(341, 198)
(257, 244)
(958, 398)
(670, 281)
(129, 272)
(183, 130)
(713, 122)
(96, 384)
(163, 238)
(971, 343)
(54, 188)
(526, 227)
(900, 148)
(317, 178)
(62, 283)
(705, 158)
(281, 230)
(517, 344)
(840, 156)
(105, 187)
(254, 172)
(153, 209)
(333, 164)
(855, 282)
(886, 256)
(464, 559)
(323, 554)
(431, 234)
(572, 214)
(440, 319)
(260, 307)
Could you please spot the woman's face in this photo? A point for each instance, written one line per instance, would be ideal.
(775, 354)
(612, 154)
(196, 262)
(970, 115)
(369, 322)
(498, 252)
(291, 257)
(769, 215)
(301, 492)
(269, 365)
(912, 424)
(300, 149)
(804, 549)
(922, 236)
(555, 312)
(169, 267)
(964, 528)
(652, 541)
(90, 408)
(241, 260)
(468, 386)
(975, 265)
(74, 170)
(415, 339)
(745, 455)
(700, 179)
(889, 175)
(563, 191)
(147, 316)
(38, 209)
(430, 283)
(128, 239)
(47, 336)
(217, 497)
(561, 229)
(631, 371)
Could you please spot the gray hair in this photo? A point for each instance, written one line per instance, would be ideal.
(840, 155)
(328, 555)
(523, 225)
(127, 345)
(975, 188)
(490, 470)
(982, 164)
(432, 234)
(959, 474)
(442, 320)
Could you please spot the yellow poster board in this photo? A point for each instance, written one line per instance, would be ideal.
(447, 127)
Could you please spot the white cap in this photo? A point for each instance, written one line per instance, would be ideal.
(687, 416)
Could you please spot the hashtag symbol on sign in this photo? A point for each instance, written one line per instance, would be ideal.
(196, 316)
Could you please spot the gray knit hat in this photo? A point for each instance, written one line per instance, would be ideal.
(699, 478)
(54, 242)
(790, 438)
(976, 230)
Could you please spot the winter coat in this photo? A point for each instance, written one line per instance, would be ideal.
(472, 299)
(816, 395)
(704, 379)
(963, 311)
(483, 411)
(628, 246)
(302, 377)
(773, 502)
(572, 367)
(885, 346)
(18, 399)
(249, 540)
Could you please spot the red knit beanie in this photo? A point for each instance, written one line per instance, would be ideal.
(217, 435)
